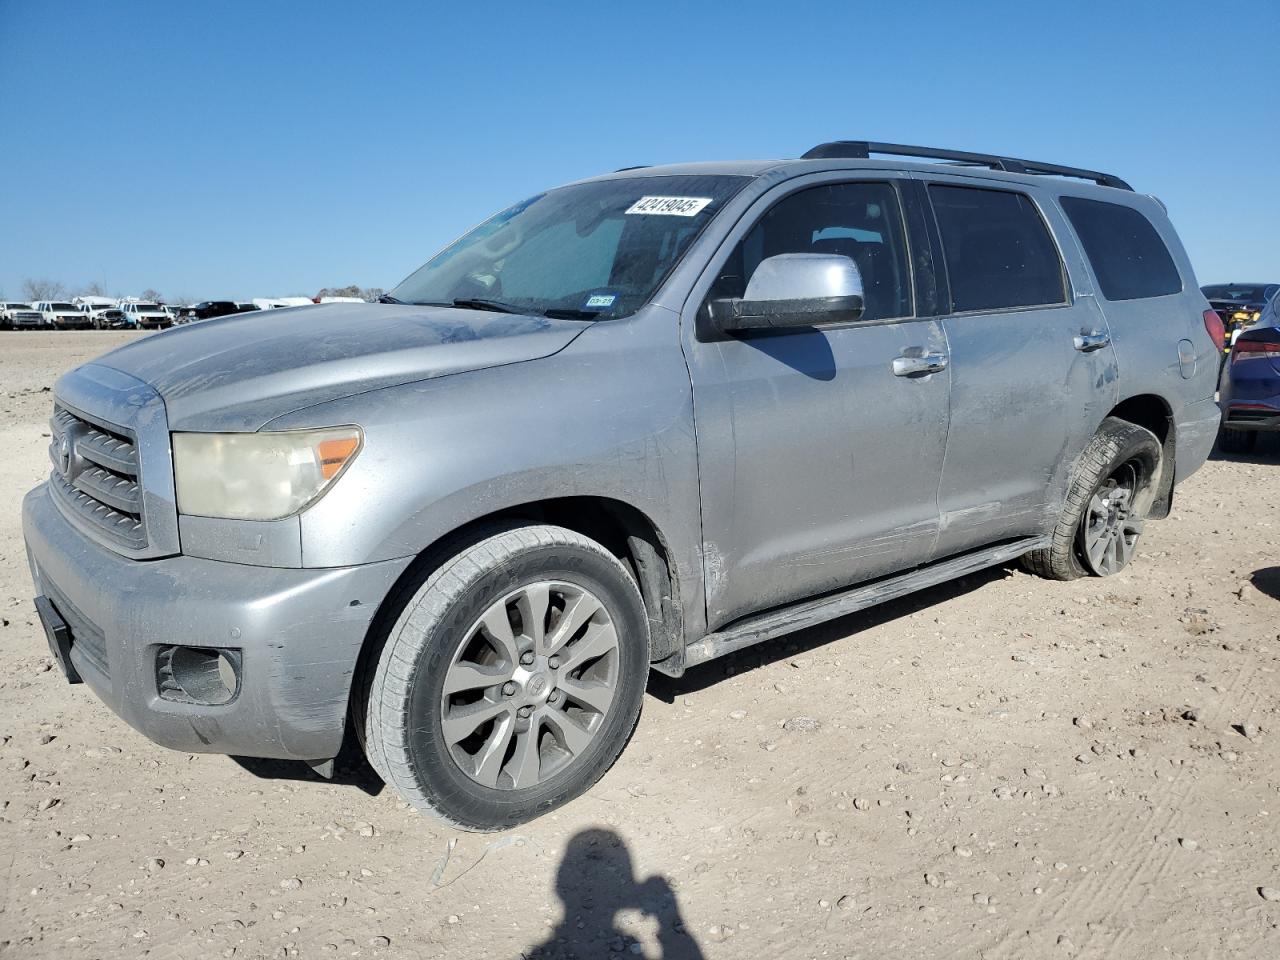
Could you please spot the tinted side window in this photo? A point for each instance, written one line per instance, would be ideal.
(1127, 255)
(997, 250)
(862, 221)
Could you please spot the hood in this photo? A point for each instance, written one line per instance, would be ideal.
(241, 371)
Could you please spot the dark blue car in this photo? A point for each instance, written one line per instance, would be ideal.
(1250, 395)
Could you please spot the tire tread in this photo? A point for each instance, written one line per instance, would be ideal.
(381, 713)
(1058, 561)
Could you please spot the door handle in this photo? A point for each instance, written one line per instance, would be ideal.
(1088, 342)
(919, 366)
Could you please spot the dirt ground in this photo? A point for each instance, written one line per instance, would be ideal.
(1001, 767)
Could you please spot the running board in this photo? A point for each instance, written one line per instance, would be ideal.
(775, 623)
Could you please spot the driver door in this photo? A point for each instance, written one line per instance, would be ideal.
(818, 464)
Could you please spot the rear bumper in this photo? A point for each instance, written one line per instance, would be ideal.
(1197, 428)
(1251, 395)
(298, 633)
(1263, 418)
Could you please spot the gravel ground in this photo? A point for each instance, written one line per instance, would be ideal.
(1000, 767)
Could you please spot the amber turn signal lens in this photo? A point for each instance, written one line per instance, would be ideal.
(335, 453)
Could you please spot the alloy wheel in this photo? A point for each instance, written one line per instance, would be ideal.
(529, 685)
(1111, 524)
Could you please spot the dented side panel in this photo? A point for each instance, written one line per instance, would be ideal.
(1024, 403)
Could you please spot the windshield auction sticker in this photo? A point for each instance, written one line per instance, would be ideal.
(670, 206)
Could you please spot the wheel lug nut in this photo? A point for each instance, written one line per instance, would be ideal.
(524, 712)
(553, 663)
(527, 657)
(509, 688)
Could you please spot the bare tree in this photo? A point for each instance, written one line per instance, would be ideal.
(152, 296)
(39, 289)
(351, 290)
(92, 289)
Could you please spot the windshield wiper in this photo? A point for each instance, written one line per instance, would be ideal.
(388, 298)
(568, 313)
(477, 303)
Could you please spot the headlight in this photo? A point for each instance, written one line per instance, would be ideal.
(258, 476)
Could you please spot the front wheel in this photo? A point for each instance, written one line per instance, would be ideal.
(1107, 503)
(511, 680)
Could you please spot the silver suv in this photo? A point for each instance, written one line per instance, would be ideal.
(634, 423)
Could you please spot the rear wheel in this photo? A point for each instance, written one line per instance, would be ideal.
(1101, 522)
(511, 680)
(1236, 441)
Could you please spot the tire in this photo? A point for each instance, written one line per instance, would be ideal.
(1121, 456)
(513, 766)
(1236, 441)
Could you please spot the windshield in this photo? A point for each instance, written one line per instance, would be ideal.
(1247, 292)
(63, 306)
(597, 249)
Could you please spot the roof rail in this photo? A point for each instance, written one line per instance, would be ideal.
(862, 150)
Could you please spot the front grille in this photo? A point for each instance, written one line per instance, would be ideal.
(95, 477)
(86, 639)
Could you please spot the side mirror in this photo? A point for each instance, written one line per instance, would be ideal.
(794, 290)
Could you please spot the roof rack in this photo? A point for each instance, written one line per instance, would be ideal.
(862, 150)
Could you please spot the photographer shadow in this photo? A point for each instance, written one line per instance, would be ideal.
(596, 882)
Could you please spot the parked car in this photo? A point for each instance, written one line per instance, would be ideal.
(61, 315)
(108, 318)
(8, 308)
(1250, 390)
(31, 319)
(209, 309)
(90, 303)
(637, 422)
(1239, 304)
(146, 316)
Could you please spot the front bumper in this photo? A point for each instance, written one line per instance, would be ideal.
(298, 633)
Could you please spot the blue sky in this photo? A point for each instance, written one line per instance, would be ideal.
(266, 148)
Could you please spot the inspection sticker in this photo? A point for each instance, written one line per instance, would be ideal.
(670, 206)
(600, 301)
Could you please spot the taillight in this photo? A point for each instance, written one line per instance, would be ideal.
(1213, 323)
(1254, 348)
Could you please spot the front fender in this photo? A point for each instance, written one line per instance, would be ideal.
(609, 416)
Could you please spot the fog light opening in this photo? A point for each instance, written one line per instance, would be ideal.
(202, 675)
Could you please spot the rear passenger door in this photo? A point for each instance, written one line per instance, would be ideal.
(1032, 367)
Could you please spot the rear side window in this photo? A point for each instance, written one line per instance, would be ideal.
(1127, 255)
(997, 249)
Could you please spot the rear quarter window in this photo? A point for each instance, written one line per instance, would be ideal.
(1128, 257)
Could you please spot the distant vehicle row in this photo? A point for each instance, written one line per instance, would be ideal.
(104, 314)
